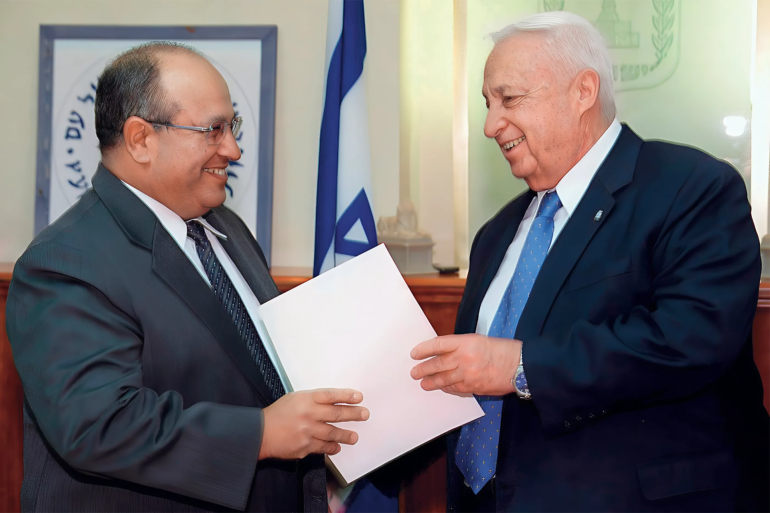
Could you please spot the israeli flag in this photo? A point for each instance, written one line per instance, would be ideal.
(344, 222)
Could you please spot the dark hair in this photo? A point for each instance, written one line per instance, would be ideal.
(130, 85)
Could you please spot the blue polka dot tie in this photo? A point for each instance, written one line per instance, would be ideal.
(476, 453)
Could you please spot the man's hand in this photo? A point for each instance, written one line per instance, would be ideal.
(296, 424)
(465, 364)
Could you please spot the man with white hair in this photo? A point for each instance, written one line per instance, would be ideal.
(606, 322)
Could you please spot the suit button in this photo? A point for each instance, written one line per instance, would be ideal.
(590, 415)
(578, 418)
(604, 412)
(566, 423)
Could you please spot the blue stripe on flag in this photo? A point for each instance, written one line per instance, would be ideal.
(359, 209)
(345, 68)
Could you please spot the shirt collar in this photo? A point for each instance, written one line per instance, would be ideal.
(174, 225)
(574, 184)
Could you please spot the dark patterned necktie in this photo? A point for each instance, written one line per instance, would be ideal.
(228, 296)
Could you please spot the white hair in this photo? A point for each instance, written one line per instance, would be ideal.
(574, 44)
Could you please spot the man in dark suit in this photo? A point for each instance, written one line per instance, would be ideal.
(133, 319)
(606, 322)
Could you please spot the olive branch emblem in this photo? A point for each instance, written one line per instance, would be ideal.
(663, 21)
(553, 5)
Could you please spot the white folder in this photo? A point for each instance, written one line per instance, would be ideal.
(354, 327)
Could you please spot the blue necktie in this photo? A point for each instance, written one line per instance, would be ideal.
(227, 295)
(476, 453)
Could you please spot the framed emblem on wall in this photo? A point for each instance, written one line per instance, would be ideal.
(71, 59)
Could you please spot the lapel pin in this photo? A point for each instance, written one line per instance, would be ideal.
(598, 215)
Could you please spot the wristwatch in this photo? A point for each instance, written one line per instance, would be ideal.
(519, 382)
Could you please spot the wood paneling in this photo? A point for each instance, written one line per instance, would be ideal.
(11, 431)
(438, 295)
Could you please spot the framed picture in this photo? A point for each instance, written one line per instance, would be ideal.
(71, 59)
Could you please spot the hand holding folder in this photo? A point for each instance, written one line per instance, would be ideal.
(355, 326)
(297, 424)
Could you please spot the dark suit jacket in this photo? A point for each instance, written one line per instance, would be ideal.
(140, 394)
(637, 344)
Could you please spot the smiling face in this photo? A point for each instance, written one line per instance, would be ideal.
(188, 174)
(534, 111)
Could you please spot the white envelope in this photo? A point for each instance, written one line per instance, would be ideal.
(354, 327)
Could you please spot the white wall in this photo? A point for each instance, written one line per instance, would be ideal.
(427, 119)
(299, 101)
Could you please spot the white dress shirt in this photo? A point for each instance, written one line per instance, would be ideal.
(177, 228)
(570, 189)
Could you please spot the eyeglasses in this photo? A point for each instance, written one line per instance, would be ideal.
(215, 134)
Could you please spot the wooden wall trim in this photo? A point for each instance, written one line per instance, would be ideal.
(6, 271)
(764, 295)
(448, 286)
(11, 423)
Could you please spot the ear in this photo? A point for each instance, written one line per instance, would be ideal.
(136, 134)
(587, 84)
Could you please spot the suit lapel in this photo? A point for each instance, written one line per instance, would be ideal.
(133, 216)
(491, 252)
(248, 262)
(562, 258)
(171, 264)
(616, 172)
